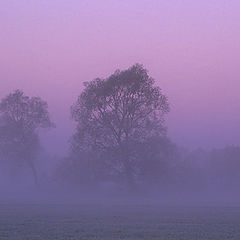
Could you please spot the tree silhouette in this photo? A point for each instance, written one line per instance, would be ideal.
(115, 113)
(20, 118)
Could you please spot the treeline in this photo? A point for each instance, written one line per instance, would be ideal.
(120, 140)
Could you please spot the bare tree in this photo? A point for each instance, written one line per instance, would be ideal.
(114, 113)
(20, 118)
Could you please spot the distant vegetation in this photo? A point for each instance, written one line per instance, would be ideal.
(20, 118)
(120, 140)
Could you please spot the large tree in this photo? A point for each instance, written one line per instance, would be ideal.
(20, 118)
(116, 113)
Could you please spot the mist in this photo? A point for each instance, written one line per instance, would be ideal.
(119, 119)
(119, 151)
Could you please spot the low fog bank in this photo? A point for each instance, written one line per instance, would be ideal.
(119, 150)
(191, 177)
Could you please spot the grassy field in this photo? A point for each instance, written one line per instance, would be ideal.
(117, 221)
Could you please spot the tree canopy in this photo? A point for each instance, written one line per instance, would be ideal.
(115, 113)
(20, 118)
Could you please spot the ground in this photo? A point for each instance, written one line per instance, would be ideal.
(118, 221)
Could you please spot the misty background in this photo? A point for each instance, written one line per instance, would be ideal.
(49, 49)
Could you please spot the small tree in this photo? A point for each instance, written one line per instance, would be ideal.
(20, 118)
(113, 114)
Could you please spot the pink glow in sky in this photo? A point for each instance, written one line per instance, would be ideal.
(192, 48)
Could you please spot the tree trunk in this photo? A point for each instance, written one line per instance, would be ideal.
(127, 165)
(129, 174)
(34, 171)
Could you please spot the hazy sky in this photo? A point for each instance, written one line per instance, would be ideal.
(192, 48)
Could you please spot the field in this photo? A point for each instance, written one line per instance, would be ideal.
(118, 221)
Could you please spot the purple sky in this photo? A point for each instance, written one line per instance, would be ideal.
(192, 49)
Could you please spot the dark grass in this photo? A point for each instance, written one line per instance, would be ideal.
(118, 221)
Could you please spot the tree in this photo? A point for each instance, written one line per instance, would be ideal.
(157, 161)
(20, 119)
(115, 113)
